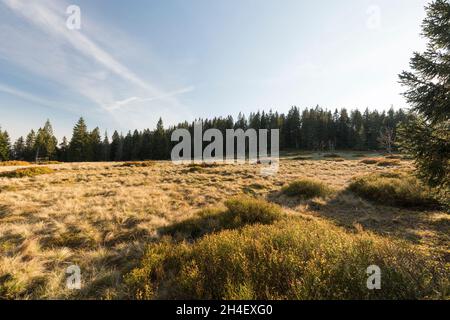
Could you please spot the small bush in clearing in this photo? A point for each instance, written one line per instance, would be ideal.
(26, 172)
(137, 164)
(370, 161)
(14, 163)
(388, 163)
(241, 211)
(292, 259)
(381, 162)
(199, 167)
(393, 156)
(331, 155)
(397, 189)
(302, 158)
(306, 189)
(49, 163)
(336, 160)
(246, 210)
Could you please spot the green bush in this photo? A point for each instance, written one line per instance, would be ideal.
(246, 210)
(331, 155)
(306, 189)
(394, 156)
(292, 259)
(240, 211)
(136, 164)
(388, 163)
(395, 188)
(14, 163)
(26, 172)
(370, 161)
(381, 162)
(301, 158)
(49, 163)
(203, 165)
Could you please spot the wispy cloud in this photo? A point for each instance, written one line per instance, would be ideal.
(132, 100)
(44, 46)
(26, 96)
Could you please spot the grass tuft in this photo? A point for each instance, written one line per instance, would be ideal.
(394, 188)
(306, 189)
(301, 158)
(14, 163)
(331, 155)
(26, 172)
(43, 163)
(381, 162)
(136, 164)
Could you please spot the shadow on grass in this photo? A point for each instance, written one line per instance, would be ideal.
(416, 225)
(239, 212)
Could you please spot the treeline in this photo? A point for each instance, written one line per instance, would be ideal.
(311, 129)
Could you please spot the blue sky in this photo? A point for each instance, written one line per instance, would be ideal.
(134, 61)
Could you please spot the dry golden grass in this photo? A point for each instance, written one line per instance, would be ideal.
(101, 216)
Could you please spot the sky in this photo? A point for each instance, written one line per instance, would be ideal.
(132, 62)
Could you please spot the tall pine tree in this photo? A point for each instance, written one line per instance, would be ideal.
(427, 136)
(5, 146)
(80, 141)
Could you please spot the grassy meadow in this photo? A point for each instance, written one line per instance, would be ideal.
(155, 230)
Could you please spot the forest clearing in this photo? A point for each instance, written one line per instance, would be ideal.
(102, 217)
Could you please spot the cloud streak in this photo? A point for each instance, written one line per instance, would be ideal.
(26, 96)
(131, 100)
(46, 17)
(45, 47)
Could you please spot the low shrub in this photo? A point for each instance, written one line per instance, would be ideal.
(292, 259)
(388, 163)
(381, 162)
(394, 156)
(49, 163)
(302, 158)
(247, 210)
(26, 172)
(203, 165)
(331, 155)
(306, 189)
(395, 188)
(239, 212)
(370, 161)
(14, 163)
(136, 164)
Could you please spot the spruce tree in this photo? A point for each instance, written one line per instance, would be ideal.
(160, 143)
(79, 142)
(426, 136)
(116, 153)
(5, 146)
(106, 148)
(19, 149)
(95, 148)
(63, 150)
(30, 146)
(46, 142)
